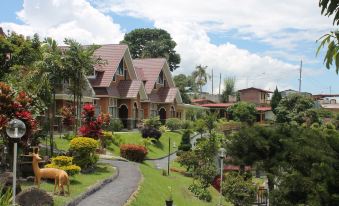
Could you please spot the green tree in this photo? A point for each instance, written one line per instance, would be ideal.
(200, 76)
(185, 85)
(293, 108)
(152, 43)
(275, 99)
(229, 88)
(331, 39)
(78, 63)
(200, 126)
(243, 112)
(211, 121)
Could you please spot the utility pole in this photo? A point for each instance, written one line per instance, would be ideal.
(212, 81)
(300, 70)
(219, 83)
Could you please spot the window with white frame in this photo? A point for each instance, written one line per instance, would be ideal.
(154, 110)
(113, 107)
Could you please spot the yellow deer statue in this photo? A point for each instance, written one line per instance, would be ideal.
(60, 176)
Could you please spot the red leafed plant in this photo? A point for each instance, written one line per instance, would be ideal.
(133, 152)
(105, 119)
(67, 113)
(91, 126)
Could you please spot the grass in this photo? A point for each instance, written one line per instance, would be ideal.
(154, 190)
(79, 183)
(156, 150)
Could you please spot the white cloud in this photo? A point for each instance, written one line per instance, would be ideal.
(61, 19)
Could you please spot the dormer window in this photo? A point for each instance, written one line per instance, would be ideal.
(92, 74)
(121, 68)
(161, 78)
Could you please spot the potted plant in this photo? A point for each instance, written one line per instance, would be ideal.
(169, 200)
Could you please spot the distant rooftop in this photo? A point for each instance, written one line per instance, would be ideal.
(253, 88)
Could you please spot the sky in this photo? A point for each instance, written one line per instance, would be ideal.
(259, 42)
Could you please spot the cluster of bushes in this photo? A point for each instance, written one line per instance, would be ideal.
(133, 152)
(64, 163)
(185, 144)
(115, 125)
(83, 152)
(200, 192)
(151, 128)
(176, 124)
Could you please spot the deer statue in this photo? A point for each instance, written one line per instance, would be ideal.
(60, 176)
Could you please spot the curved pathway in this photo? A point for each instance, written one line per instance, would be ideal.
(116, 193)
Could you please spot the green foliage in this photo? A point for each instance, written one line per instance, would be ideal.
(173, 124)
(64, 163)
(115, 125)
(238, 190)
(294, 108)
(186, 124)
(194, 114)
(200, 76)
(200, 192)
(83, 151)
(152, 43)
(200, 161)
(276, 98)
(147, 142)
(211, 121)
(229, 88)
(5, 196)
(152, 122)
(185, 84)
(185, 144)
(330, 7)
(200, 126)
(243, 112)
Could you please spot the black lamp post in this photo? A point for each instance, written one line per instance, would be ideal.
(15, 130)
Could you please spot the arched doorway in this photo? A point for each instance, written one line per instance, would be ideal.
(135, 115)
(172, 112)
(123, 114)
(162, 115)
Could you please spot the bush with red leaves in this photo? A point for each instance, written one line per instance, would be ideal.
(91, 126)
(133, 152)
(67, 113)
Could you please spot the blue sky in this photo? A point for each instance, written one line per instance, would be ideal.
(260, 49)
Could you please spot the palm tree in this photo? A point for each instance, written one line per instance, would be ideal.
(200, 76)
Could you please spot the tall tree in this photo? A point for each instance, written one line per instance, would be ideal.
(200, 76)
(229, 88)
(186, 85)
(275, 99)
(331, 39)
(152, 43)
(78, 62)
(243, 112)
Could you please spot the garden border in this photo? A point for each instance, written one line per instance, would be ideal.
(93, 189)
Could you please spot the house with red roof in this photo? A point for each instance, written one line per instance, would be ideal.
(255, 95)
(164, 98)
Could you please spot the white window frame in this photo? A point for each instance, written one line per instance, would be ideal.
(113, 107)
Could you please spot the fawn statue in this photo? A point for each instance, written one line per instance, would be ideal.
(60, 176)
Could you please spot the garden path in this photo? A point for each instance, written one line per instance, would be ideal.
(116, 193)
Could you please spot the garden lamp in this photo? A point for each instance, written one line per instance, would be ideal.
(15, 130)
(222, 152)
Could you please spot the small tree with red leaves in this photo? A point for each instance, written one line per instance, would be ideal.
(91, 126)
(67, 113)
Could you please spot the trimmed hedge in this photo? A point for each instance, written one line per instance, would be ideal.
(83, 151)
(64, 163)
(173, 124)
(133, 152)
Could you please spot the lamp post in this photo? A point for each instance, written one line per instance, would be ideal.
(222, 152)
(15, 130)
(169, 153)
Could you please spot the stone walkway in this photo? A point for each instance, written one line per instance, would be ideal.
(116, 193)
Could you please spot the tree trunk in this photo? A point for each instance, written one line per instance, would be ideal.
(270, 182)
(52, 125)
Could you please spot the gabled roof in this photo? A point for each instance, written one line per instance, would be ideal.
(253, 88)
(111, 54)
(148, 70)
(201, 100)
(165, 94)
(125, 89)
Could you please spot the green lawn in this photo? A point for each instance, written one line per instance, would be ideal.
(159, 149)
(79, 183)
(154, 190)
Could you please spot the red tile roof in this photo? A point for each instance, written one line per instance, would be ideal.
(112, 55)
(264, 109)
(201, 100)
(253, 88)
(129, 88)
(166, 95)
(125, 89)
(150, 71)
(217, 105)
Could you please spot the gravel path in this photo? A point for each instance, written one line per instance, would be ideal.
(119, 191)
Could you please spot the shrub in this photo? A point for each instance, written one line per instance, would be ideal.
(83, 151)
(150, 132)
(173, 124)
(91, 126)
(185, 144)
(152, 122)
(64, 163)
(200, 192)
(133, 152)
(115, 125)
(186, 124)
